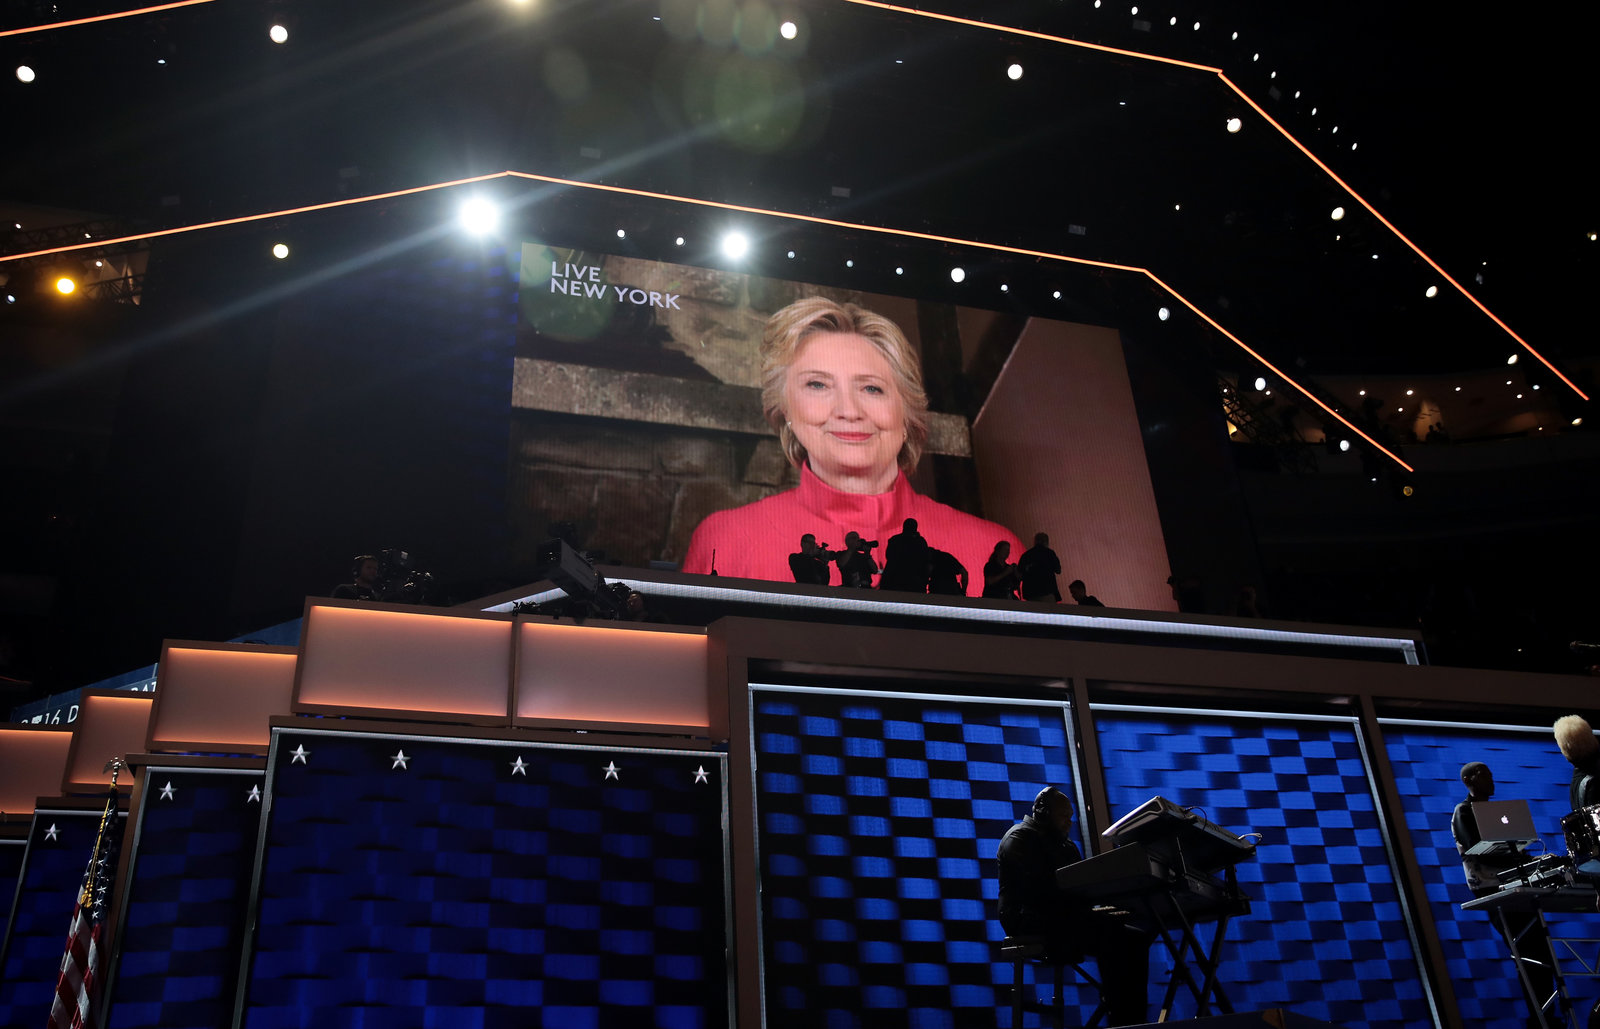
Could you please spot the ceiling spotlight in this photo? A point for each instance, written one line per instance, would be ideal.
(791, 255)
(958, 274)
(1197, 26)
(1134, 11)
(1056, 295)
(278, 34)
(1594, 236)
(622, 233)
(1313, 112)
(479, 215)
(1536, 385)
(1235, 124)
(1297, 94)
(1407, 490)
(280, 250)
(1344, 446)
(1512, 359)
(679, 241)
(11, 298)
(1508, 382)
(1409, 392)
(1338, 214)
(1401, 410)
(735, 245)
(1164, 313)
(1519, 396)
(1261, 383)
(1173, 20)
(65, 286)
(1235, 35)
(1432, 292)
(788, 30)
(1458, 389)
(899, 271)
(1363, 393)
(1255, 57)
(1336, 128)
(1577, 421)
(1014, 72)
(24, 73)
(850, 262)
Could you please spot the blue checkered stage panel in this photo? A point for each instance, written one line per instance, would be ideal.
(11, 853)
(415, 882)
(183, 921)
(59, 846)
(1326, 935)
(879, 817)
(1427, 769)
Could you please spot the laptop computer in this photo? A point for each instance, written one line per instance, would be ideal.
(1502, 823)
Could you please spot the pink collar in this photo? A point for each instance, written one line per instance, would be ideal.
(864, 512)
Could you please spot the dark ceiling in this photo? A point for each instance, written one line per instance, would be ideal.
(1462, 129)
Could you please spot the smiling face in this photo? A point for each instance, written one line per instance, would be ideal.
(843, 406)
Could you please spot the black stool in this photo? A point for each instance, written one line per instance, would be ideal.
(1021, 950)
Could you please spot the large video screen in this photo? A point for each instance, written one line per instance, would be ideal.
(712, 420)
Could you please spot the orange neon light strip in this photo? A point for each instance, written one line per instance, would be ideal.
(1357, 197)
(1030, 34)
(759, 211)
(1279, 372)
(245, 219)
(101, 17)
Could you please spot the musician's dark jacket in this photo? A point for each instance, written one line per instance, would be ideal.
(1030, 904)
(1585, 789)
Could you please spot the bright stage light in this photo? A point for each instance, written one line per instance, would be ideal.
(1338, 214)
(1512, 359)
(278, 34)
(1014, 72)
(958, 274)
(1235, 124)
(65, 286)
(1433, 291)
(479, 216)
(899, 270)
(735, 245)
(622, 233)
(280, 250)
(679, 241)
(1164, 313)
(788, 30)
(1056, 295)
(1261, 383)
(1344, 446)
(25, 73)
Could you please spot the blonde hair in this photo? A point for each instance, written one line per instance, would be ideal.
(1575, 738)
(790, 327)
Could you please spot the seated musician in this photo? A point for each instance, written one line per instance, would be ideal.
(1031, 905)
(1484, 872)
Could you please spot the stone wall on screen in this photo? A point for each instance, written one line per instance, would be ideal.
(634, 491)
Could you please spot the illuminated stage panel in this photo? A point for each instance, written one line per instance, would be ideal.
(489, 884)
(218, 697)
(1427, 761)
(52, 875)
(610, 675)
(1327, 934)
(184, 913)
(32, 760)
(879, 819)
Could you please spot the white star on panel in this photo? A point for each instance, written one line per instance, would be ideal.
(700, 775)
(611, 772)
(399, 758)
(166, 791)
(254, 796)
(519, 767)
(300, 754)
(52, 832)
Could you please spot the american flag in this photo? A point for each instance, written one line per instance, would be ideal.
(80, 964)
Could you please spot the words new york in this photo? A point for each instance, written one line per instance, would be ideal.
(584, 281)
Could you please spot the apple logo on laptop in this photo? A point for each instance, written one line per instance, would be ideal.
(1504, 820)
